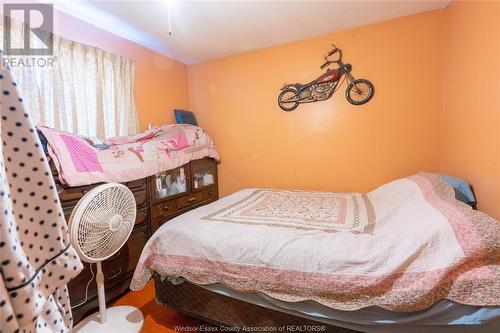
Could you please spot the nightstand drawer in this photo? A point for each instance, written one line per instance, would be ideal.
(141, 216)
(209, 194)
(69, 196)
(140, 197)
(189, 200)
(164, 208)
(138, 183)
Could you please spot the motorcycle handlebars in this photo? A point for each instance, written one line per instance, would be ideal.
(335, 50)
(332, 52)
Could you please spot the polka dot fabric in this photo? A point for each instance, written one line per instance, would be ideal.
(36, 259)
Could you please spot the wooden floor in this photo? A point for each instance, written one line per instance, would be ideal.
(157, 318)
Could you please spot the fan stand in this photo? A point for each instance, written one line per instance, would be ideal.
(123, 319)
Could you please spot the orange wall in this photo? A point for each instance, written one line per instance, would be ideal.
(161, 83)
(328, 145)
(471, 118)
(436, 104)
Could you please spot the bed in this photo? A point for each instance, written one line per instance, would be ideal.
(407, 253)
(81, 160)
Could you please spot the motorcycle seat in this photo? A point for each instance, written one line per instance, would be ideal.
(300, 86)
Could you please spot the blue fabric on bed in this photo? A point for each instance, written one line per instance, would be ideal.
(463, 188)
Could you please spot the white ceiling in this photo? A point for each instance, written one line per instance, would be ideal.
(204, 30)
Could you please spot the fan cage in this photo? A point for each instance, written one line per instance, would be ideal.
(89, 223)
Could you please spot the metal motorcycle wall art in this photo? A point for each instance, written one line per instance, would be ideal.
(358, 92)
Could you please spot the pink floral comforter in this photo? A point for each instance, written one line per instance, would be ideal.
(82, 161)
(402, 247)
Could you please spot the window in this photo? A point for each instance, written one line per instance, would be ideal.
(86, 90)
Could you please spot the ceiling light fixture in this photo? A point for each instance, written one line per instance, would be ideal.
(167, 2)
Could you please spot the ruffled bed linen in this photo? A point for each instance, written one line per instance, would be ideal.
(84, 161)
(36, 258)
(405, 246)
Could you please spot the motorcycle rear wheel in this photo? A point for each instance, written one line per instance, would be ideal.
(285, 95)
(359, 92)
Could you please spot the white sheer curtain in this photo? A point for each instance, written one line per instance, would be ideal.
(87, 90)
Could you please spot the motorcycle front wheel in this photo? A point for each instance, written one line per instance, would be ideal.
(359, 92)
(285, 97)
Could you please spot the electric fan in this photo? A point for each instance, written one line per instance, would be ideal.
(99, 226)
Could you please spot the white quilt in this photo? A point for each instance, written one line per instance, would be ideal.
(401, 247)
